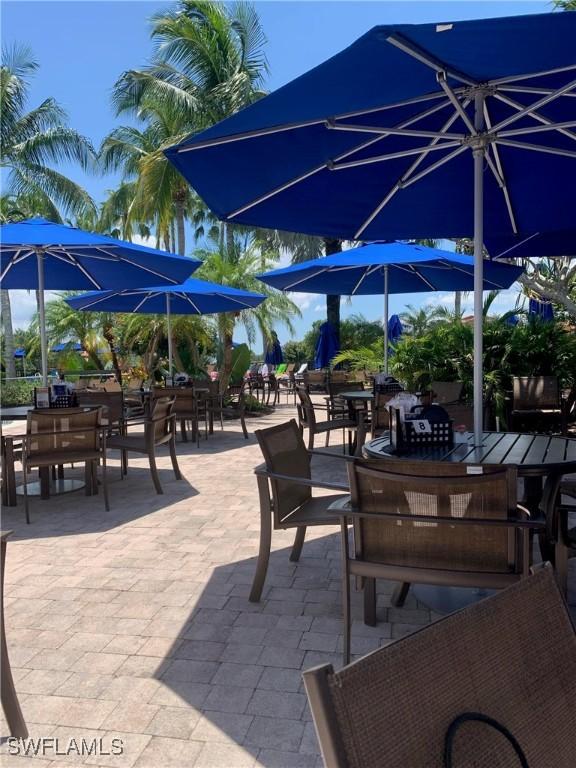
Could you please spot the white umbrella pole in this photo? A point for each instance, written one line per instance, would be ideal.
(386, 320)
(169, 323)
(42, 317)
(478, 380)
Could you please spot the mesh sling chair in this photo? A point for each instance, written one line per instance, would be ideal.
(510, 657)
(235, 400)
(538, 399)
(10, 703)
(159, 429)
(285, 486)
(58, 436)
(558, 544)
(186, 408)
(307, 420)
(432, 523)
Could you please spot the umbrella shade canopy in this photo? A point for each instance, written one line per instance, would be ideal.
(274, 354)
(537, 245)
(327, 346)
(386, 128)
(411, 269)
(67, 346)
(193, 297)
(78, 260)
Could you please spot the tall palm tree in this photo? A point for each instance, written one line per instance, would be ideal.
(238, 268)
(208, 63)
(33, 142)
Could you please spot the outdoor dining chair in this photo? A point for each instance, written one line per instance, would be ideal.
(159, 429)
(10, 703)
(538, 400)
(432, 523)
(235, 400)
(187, 408)
(458, 692)
(307, 420)
(59, 436)
(285, 486)
(558, 508)
(112, 404)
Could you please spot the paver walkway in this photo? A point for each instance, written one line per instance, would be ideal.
(135, 624)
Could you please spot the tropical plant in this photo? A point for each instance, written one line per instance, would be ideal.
(238, 267)
(33, 142)
(208, 63)
(419, 320)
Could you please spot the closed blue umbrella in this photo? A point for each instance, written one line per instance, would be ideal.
(377, 142)
(38, 254)
(395, 330)
(67, 346)
(193, 297)
(19, 352)
(274, 355)
(327, 346)
(385, 268)
(541, 309)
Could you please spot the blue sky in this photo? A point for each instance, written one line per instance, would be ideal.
(82, 47)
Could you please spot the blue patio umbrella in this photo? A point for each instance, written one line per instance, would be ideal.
(67, 346)
(429, 130)
(193, 297)
(19, 352)
(540, 309)
(395, 330)
(274, 355)
(385, 268)
(327, 346)
(537, 245)
(38, 254)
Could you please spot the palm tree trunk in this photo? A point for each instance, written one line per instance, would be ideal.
(177, 359)
(172, 246)
(179, 199)
(229, 229)
(108, 334)
(226, 336)
(458, 303)
(333, 302)
(9, 364)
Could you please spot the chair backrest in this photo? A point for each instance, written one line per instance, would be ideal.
(446, 391)
(435, 490)
(306, 414)
(161, 411)
(111, 402)
(183, 398)
(285, 454)
(77, 430)
(535, 392)
(290, 368)
(337, 377)
(502, 657)
(336, 387)
(111, 385)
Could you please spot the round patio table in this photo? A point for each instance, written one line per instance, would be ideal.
(535, 456)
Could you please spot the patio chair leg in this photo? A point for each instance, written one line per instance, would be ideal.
(310, 440)
(265, 541)
(243, 424)
(10, 703)
(104, 483)
(26, 509)
(183, 430)
(327, 443)
(370, 602)
(298, 544)
(346, 618)
(154, 472)
(400, 594)
(174, 460)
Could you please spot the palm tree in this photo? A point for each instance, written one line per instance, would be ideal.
(238, 268)
(31, 142)
(420, 319)
(208, 63)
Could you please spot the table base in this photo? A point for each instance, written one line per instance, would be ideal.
(56, 487)
(449, 599)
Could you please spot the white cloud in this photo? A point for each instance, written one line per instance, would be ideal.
(319, 308)
(303, 300)
(23, 304)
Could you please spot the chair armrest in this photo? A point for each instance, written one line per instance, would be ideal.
(341, 456)
(309, 482)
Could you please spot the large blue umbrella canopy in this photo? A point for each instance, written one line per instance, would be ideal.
(39, 254)
(385, 268)
(377, 142)
(193, 297)
(327, 346)
(537, 245)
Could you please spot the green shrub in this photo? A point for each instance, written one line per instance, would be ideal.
(14, 393)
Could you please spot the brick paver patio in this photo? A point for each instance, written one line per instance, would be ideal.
(135, 624)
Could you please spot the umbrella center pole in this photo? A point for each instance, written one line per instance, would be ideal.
(169, 328)
(386, 320)
(478, 380)
(42, 316)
